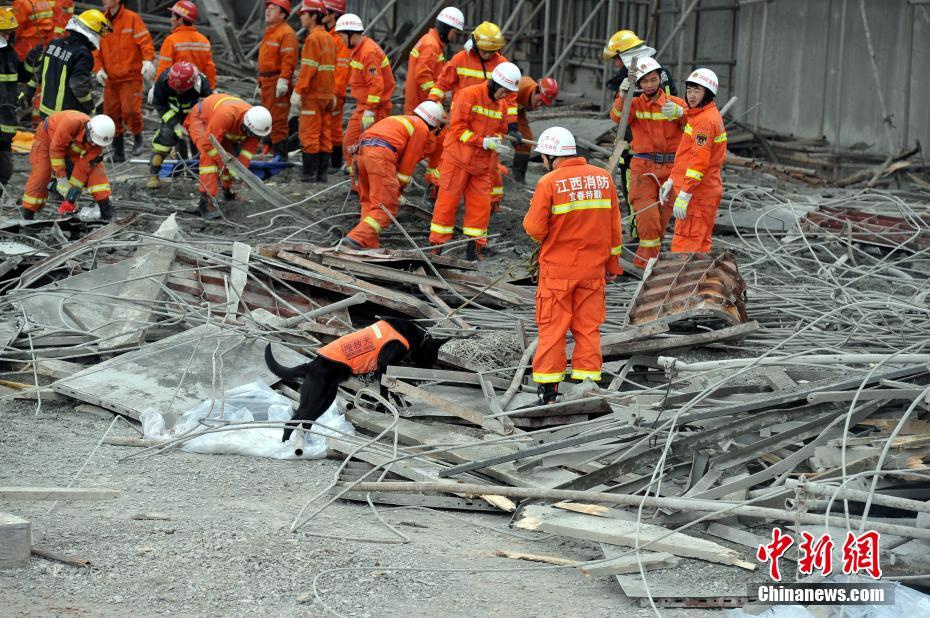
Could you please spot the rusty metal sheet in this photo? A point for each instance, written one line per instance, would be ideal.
(865, 227)
(688, 289)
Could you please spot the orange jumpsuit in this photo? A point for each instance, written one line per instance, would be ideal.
(121, 55)
(388, 153)
(277, 59)
(360, 350)
(36, 25)
(466, 69)
(655, 141)
(372, 84)
(333, 124)
(525, 102)
(423, 68)
(187, 44)
(62, 10)
(219, 115)
(575, 215)
(60, 139)
(466, 165)
(316, 86)
(698, 162)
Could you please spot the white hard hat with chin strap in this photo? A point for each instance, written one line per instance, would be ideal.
(556, 142)
(258, 121)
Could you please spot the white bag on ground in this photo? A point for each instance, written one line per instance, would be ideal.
(250, 402)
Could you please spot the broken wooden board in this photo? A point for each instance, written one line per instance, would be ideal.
(519, 555)
(625, 564)
(15, 541)
(446, 405)
(679, 341)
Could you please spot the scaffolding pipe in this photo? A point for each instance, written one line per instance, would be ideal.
(568, 46)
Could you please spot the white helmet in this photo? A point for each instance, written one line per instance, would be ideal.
(557, 142)
(451, 16)
(704, 77)
(258, 120)
(645, 66)
(350, 22)
(507, 75)
(101, 130)
(431, 113)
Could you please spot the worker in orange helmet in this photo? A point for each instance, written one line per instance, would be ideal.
(476, 127)
(315, 91)
(698, 162)
(530, 96)
(656, 122)
(69, 139)
(35, 19)
(186, 43)
(370, 78)
(277, 61)
(124, 60)
(575, 217)
(427, 57)
(332, 124)
(62, 12)
(237, 126)
(386, 156)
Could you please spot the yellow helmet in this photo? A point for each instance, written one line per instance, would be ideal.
(620, 42)
(488, 37)
(7, 19)
(95, 20)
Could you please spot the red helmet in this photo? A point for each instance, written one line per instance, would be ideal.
(185, 9)
(313, 5)
(548, 90)
(181, 76)
(338, 6)
(284, 5)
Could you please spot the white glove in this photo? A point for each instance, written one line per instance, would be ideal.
(681, 205)
(102, 77)
(672, 110)
(89, 213)
(280, 88)
(151, 95)
(491, 143)
(295, 99)
(401, 200)
(148, 70)
(368, 119)
(625, 84)
(665, 190)
(62, 186)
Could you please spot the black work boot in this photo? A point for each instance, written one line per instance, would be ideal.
(182, 150)
(322, 168)
(119, 149)
(473, 251)
(27, 214)
(309, 161)
(138, 146)
(206, 208)
(106, 210)
(336, 161)
(280, 150)
(547, 393)
(520, 161)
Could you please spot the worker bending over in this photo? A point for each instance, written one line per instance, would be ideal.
(530, 96)
(277, 60)
(698, 163)
(575, 217)
(386, 156)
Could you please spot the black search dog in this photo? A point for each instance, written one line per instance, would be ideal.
(322, 376)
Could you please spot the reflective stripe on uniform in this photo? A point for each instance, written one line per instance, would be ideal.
(436, 92)
(208, 169)
(356, 65)
(58, 162)
(376, 227)
(512, 111)
(74, 182)
(99, 188)
(690, 173)
(407, 124)
(212, 152)
(414, 53)
(652, 242)
(441, 229)
(326, 67)
(561, 209)
(497, 190)
(385, 62)
(689, 130)
(377, 331)
(484, 111)
(465, 72)
(426, 85)
(309, 62)
(8, 77)
(404, 178)
(721, 138)
(650, 115)
(548, 378)
(616, 250)
(474, 231)
(466, 135)
(581, 374)
(432, 171)
(308, 112)
(248, 154)
(34, 200)
(373, 99)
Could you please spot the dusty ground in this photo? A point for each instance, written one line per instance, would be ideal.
(226, 551)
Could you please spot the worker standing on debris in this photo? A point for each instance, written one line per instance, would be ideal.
(11, 73)
(35, 25)
(64, 141)
(62, 11)
(237, 126)
(575, 217)
(332, 124)
(174, 94)
(386, 156)
(316, 91)
(277, 60)
(427, 57)
(186, 43)
(476, 127)
(696, 175)
(370, 78)
(530, 96)
(125, 58)
(656, 121)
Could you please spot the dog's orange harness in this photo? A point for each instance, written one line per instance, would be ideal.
(360, 349)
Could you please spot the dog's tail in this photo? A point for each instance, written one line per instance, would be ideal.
(280, 370)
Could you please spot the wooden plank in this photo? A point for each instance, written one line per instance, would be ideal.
(430, 293)
(678, 341)
(622, 565)
(519, 555)
(15, 541)
(452, 408)
(56, 493)
(403, 372)
(612, 342)
(238, 277)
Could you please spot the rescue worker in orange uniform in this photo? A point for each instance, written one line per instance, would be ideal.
(36, 25)
(696, 175)
(315, 91)
(656, 121)
(69, 141)
(530, 96)
(476, 127)
(371, 81)
(575, 217)
(277, 60)
(333, 120)
(238, 127)
(186, 43)
(62, 11)
(125, 58)
(386, 156)
(428, 56)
